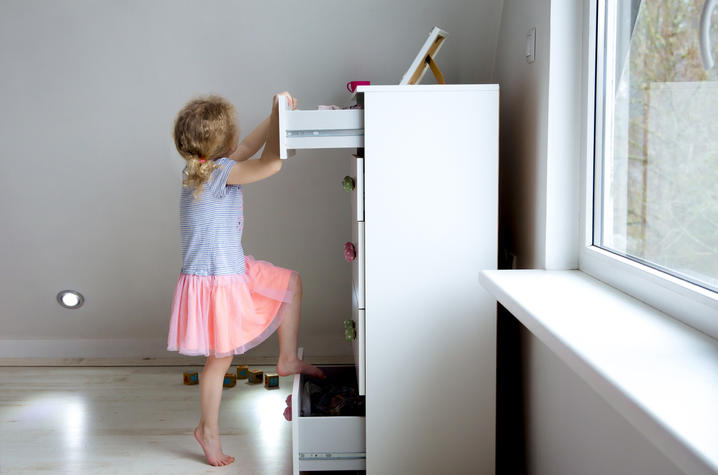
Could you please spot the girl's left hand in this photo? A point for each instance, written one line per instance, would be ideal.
(292, 101)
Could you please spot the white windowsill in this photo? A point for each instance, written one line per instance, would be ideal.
(660, 374)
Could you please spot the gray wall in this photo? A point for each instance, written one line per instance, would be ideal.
(568, 428)
(90, 178)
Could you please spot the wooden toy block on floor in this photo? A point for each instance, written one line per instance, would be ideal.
(191, 377)
(230, 380)
(242, 372)
(255, 376)
(271, 381)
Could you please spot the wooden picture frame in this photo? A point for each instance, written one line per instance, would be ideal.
(425, 59)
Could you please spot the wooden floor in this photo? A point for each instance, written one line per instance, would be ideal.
(134, 420)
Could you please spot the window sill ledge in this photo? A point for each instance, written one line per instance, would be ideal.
(657, 372)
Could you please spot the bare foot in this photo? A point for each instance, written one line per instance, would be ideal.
(287, 367)
(212, 448)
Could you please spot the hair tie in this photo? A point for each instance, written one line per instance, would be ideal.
(202, 160)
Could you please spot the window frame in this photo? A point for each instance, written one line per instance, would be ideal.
(683, 300)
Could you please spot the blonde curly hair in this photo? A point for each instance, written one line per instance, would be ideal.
(204, 130)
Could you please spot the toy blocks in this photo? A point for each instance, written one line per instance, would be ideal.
(191, 377)
(271, 381)
(242, 372)
(230, 380)
(255, 376)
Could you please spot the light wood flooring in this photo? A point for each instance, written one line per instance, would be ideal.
(134, 420)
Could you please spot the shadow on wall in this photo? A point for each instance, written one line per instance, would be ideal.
(518, 180)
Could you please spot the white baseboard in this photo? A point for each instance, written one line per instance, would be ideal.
(85, 348)
(147, 352)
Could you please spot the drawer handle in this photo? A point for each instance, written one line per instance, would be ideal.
(348, 183)
(350, 252)
(350, 332)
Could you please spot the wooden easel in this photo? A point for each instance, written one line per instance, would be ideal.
(426, 58)
(435, 69)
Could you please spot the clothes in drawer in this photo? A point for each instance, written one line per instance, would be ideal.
(328, 422)
(358, 262)
(305, 129)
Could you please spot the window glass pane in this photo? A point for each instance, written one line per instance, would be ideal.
(658, 153)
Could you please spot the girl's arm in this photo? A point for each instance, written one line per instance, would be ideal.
(269, 163)
(252, 142)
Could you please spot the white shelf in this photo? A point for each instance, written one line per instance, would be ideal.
(660, 374)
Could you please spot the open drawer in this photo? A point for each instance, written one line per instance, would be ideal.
(299, 129)
(328, 442)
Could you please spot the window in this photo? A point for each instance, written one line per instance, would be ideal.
(654, 211)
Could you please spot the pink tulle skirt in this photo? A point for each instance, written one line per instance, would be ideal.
(228, 314)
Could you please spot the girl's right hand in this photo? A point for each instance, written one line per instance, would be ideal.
(292, 101)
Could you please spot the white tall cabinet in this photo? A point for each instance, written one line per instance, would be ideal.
(425, 346)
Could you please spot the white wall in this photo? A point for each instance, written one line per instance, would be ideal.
(540, 136)
(523, 131)
(90, 178)
(568, 428)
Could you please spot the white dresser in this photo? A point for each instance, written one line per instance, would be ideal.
(424, 224)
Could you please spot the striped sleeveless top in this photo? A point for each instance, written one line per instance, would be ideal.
(211, 226)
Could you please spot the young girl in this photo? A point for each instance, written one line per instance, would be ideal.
(226, 302)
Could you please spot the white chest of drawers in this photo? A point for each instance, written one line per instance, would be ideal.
(425, 329)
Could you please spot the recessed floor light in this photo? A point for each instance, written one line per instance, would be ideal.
(70, 299)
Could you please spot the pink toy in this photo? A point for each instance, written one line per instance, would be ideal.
(288, 410)
(350, 252)
(352, 85)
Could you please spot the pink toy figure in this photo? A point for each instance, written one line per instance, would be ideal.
(226, 302)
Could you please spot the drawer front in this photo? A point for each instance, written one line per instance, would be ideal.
(331, 438)
(313, 120)
(296, 141)
(358, 262)
(326, 443)
(359, 344)
(357, 172)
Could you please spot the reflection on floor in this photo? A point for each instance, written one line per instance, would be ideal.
(134, 420)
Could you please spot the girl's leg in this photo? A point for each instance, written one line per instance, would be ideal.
(289, 362)
(210, 388)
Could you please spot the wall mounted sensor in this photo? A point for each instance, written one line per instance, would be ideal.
(531, 45)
